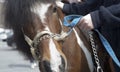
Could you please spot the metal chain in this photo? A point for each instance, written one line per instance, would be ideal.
(99, 69)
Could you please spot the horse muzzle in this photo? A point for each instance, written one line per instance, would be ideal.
(46, 66)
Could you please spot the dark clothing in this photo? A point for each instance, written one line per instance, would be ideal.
(105, 16)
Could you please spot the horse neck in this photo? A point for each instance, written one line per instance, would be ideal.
(74, 47)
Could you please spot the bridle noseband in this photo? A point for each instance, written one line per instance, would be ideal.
(35, 42)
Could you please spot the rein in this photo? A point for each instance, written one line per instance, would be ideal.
(74, 19)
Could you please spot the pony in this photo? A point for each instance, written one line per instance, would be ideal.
(37, 25)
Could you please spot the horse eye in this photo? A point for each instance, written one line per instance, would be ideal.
(54, 9)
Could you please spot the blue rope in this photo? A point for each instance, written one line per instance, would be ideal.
(72, 20)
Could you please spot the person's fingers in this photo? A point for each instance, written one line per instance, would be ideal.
(74, 1)
(86, 23)
(60, 4)
(82, 24)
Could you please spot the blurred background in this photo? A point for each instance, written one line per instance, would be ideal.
(10, 59)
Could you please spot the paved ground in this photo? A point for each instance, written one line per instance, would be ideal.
(12, 61)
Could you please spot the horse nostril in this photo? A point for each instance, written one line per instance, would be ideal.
(62, 66)
(47, 66)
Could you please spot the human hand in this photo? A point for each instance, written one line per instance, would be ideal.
(60, 4)
(86, 23)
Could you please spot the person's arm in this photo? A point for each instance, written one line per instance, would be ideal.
(109, 17)
(81, 8)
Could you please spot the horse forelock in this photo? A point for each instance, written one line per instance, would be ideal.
(18, 12)
(41, 10)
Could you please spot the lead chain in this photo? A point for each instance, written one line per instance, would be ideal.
(99, 69)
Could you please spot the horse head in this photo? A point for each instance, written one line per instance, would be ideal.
(43, 36)
(37, 22)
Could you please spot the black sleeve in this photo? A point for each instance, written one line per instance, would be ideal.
(109, 17)
(82, 8)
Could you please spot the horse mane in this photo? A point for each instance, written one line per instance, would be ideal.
(17, 14)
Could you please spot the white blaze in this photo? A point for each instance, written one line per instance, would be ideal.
(55, 61)
(55, 57)
(87, 53)
(40, 10)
